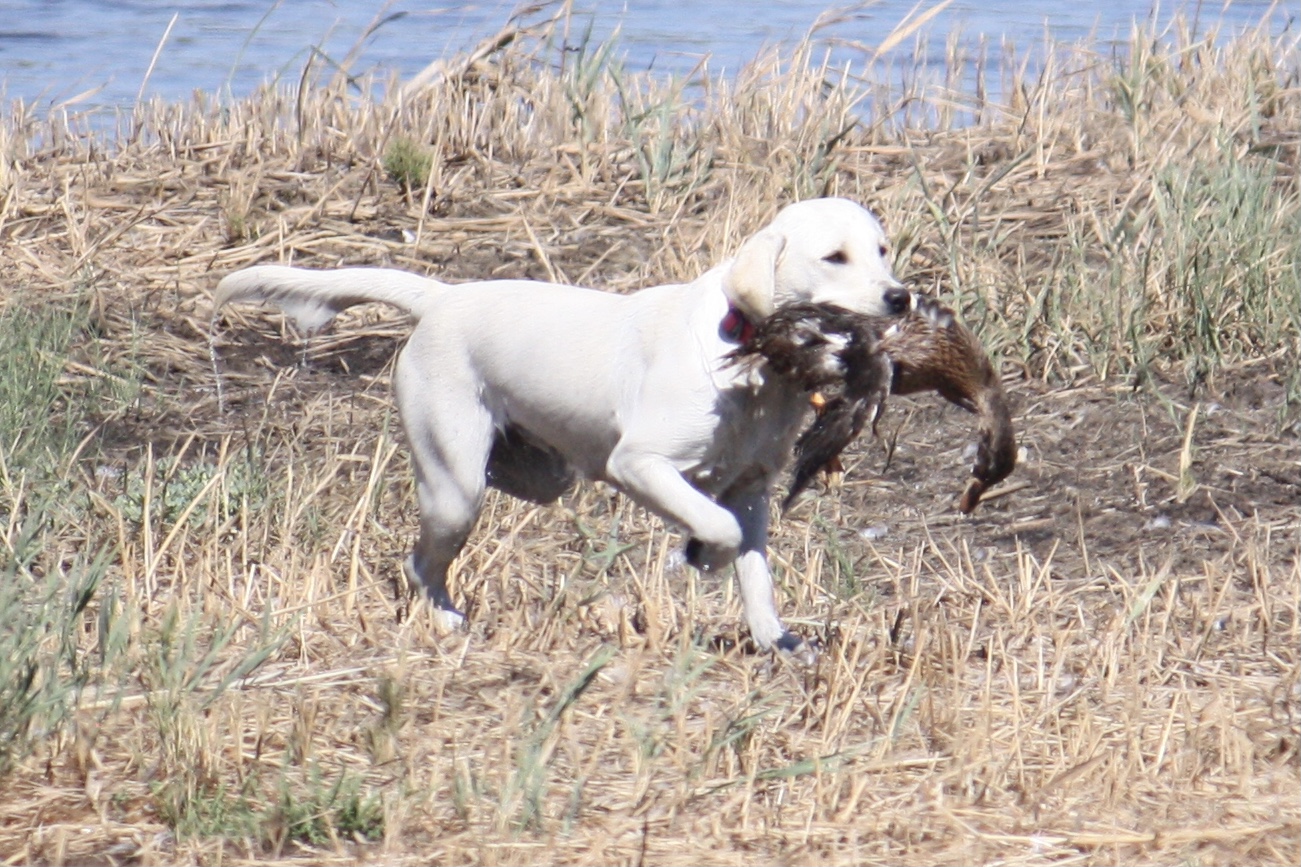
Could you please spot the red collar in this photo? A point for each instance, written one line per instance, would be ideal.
(735, 327)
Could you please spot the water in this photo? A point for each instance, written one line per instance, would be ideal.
(85, 53)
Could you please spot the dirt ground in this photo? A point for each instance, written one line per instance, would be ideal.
(1177, 512)
(1096, 508)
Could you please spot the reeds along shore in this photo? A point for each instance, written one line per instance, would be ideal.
(207, 655)
(1123, 207)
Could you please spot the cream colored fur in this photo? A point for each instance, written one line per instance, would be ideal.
(519, 384)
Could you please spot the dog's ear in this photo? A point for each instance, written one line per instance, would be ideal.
(751, 281)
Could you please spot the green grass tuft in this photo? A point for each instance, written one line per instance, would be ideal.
(408, 164)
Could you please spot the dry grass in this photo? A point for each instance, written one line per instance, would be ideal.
(212, 662)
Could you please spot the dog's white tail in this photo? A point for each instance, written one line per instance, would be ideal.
(313, 298)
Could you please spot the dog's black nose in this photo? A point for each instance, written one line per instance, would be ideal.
(898, 300)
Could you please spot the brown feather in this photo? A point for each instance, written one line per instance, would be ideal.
(853, 361)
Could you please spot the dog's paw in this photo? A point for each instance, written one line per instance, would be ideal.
(796, 648)
(448, 620)
(709, 558)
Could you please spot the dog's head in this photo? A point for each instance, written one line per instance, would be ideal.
(829, 251)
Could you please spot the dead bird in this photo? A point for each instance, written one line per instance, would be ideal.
(854, 361)
(932, 351)
(835, 355)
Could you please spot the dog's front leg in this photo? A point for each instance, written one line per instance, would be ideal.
(655, 483)
(750, 506)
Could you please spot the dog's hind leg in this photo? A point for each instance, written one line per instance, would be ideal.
(449, 504)
(449, 450)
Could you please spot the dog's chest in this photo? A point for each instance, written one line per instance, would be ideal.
(756, 430)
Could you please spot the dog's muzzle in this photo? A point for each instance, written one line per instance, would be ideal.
(897, 300)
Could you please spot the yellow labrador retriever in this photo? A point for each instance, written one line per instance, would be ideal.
(519, 385)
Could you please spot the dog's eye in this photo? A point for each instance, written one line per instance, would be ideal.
(836, 258)
(883, 251)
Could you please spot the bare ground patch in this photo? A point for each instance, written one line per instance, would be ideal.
(1100, 665)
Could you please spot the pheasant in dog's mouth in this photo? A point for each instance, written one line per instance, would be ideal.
(854, 361)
